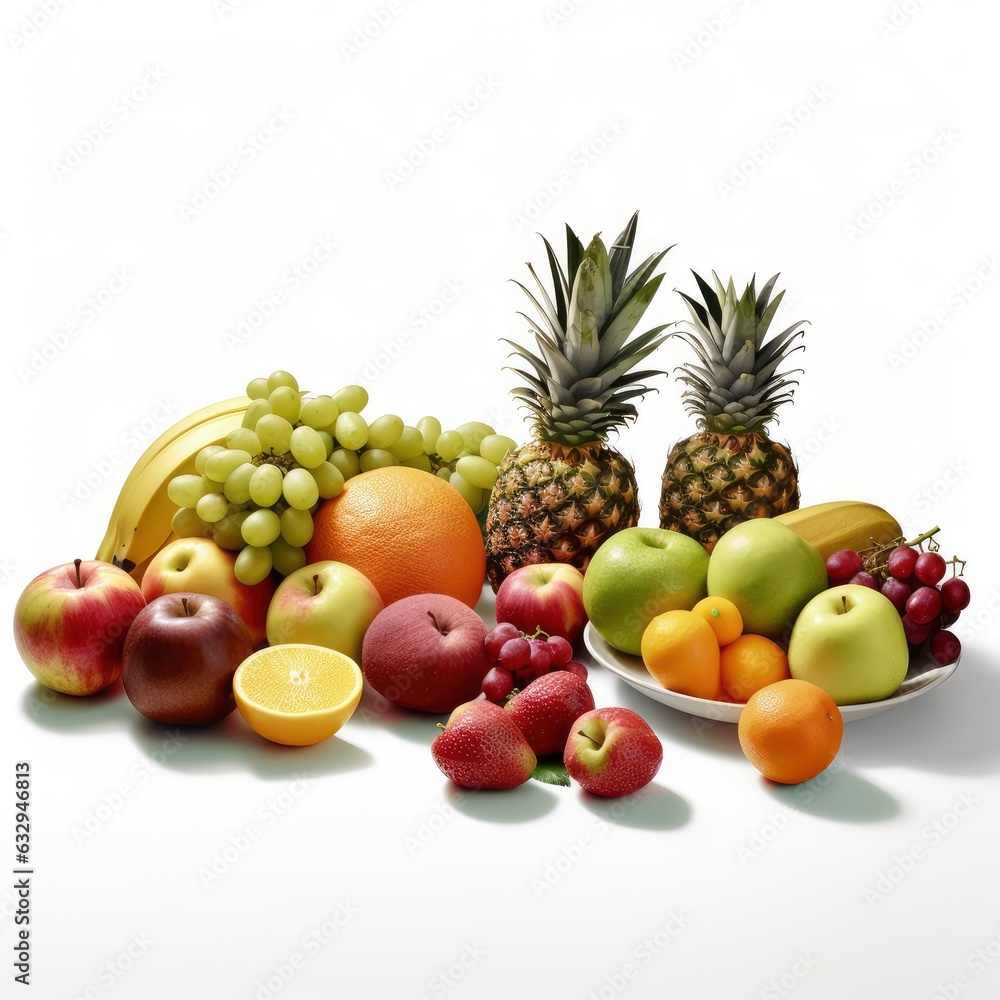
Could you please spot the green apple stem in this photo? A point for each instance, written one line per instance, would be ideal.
(76, 563)
(315, 583)
(844, 599)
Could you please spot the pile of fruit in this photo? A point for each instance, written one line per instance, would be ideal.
(278, 553)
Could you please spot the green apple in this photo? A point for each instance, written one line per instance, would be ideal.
(850, 641)
(638, 574)
(768, 572)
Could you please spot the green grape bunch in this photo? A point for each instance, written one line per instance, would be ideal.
(256, 495)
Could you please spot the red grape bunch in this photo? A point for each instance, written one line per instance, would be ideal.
(518, 658)
(914, 579)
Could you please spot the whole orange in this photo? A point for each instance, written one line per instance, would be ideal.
(680, 650)
(790, 731)
(408, 531)
(749, 663)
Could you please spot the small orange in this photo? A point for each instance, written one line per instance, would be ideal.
(749, 663)
(680, 650)
(723, 616)
(790, 731)
(408, 531)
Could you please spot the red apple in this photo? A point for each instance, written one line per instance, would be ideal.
(180, 656)
(612, 751)
(426, 652)
(199, 566)
(548, 596)
(70, 624)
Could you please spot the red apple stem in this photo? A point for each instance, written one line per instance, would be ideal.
(76, 563)
(184, 602)
(587, 736)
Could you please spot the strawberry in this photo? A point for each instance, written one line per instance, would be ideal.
(481, 747)
(546, 709)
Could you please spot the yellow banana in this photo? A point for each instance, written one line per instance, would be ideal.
(140, 521)
(842, 524)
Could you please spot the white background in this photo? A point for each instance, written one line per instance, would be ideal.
(757, 136)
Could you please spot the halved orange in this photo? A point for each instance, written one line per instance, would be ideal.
(296, 693)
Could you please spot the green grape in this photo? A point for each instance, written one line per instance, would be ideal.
(409, 445)
(474, 432)
(494, 447)
(286, 402)
(377, 458)
(280, 378)
(275, 434)
(210, 485)
(237, 488)
(307, 447)
(319, 412)
(252, 564)
(254, 412)
(187, 524)
(257, 388)
(450, 445)
(296, 526)
(327, 438)
(477, 471)
(204, 455)
(351, 399)
(265, 485)
(227, 533)
(286, 558)
(300, 489)
(329, 479)
(260, 527)
(244, 439)
(222, 464)
(185, 491)
(421, 462)
(383, 432)
(212, 507)
(443, 473)
(430, 429)
(347, 461)
(473, 494)
(352, 430)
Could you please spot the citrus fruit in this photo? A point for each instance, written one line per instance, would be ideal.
(297, 694)
(408, 532)
(749, 663)
(790, 731)
(680, 650)
(723, 616)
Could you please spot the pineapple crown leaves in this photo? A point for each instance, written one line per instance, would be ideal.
(737, 385)
(583, 372)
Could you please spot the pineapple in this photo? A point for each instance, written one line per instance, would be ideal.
(731, 471)
(557, 498)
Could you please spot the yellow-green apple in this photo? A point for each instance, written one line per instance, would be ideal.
(850, 641)
(481, 747)
(612, 751)
(426, 652)
(768, 572)
(326, 603)
(70, 624)
(546, 596)
(638, 574)
(180, 656)
(199, 566)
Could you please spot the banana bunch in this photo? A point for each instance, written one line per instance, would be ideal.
(140, 523)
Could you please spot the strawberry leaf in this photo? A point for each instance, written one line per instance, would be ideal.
(551, 772)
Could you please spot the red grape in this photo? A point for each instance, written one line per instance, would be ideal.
(923, 605)
(514, 653)
(901, 561)
(864, 579)
(498, 683)
(929, 567)
(560, 650)
(897, 592)
(916, 634)
(540, 656)
(946, 647)
(955, 594)
(496, 638)
(842, 565)
(575, 667)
